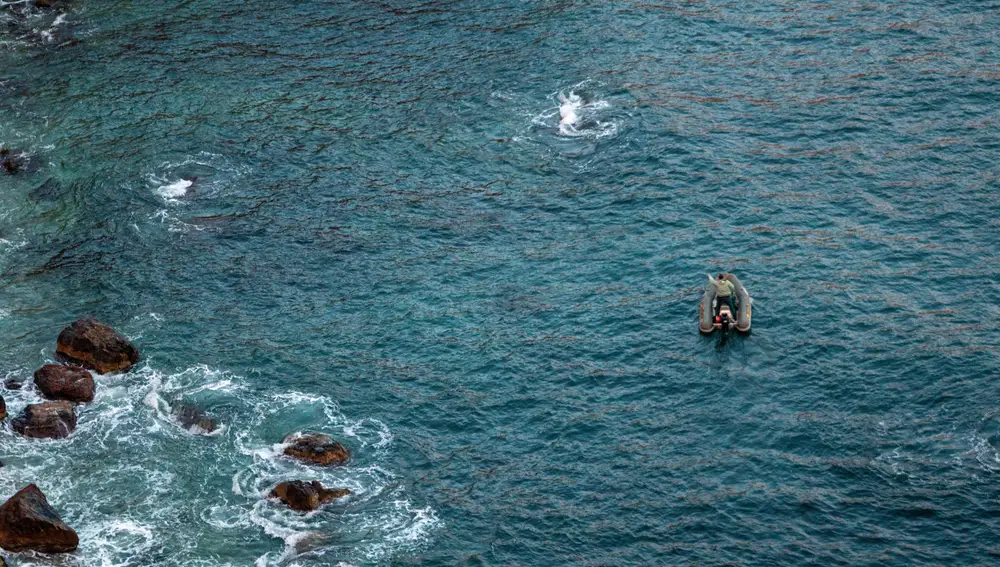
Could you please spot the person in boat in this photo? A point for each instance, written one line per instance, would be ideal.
(724, 291)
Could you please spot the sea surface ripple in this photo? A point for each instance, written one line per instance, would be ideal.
(391, 239)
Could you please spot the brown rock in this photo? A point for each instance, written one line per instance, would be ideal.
(194, 419)
(316, 448)
(305, 496)
(50, 419)
(96, 346)
(28, 523)
(43, 3)
(3, 409)
(69, 383)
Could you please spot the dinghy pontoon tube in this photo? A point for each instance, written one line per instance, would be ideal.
(744, 308)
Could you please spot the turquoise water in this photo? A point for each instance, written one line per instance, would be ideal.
(391, 240)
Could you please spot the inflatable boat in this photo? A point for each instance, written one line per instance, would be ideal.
(709, 322)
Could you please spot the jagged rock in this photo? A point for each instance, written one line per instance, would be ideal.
(48, 420)
(69, 383)
(305, 496)
(12, 384)
(3, 409)
(96, 346)
(28, 523)
(316, 448)
(194, 419)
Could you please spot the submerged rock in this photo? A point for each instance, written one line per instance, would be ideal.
(305, 496)
(28, 523)
(12, 384)
(316, 448)
(48, 191)
(96, 346)
(51, 420)
(69, 383)
(194, 419)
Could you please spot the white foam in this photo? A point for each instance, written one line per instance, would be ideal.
(578, 116)
(174, 190)
(568, 110)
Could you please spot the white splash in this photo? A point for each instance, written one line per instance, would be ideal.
(567, 110)
(174, 190)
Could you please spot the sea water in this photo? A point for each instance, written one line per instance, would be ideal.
(364, 219)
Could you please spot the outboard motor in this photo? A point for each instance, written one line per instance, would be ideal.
(723, 321)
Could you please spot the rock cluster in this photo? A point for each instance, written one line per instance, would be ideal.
(306, 496)
(315, 449)
(28, 522)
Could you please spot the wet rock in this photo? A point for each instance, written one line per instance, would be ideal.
(194, 419)
(316, 448)
(11, 164)
(51, 420)
(12, 384)
(3, 409)
(13, 161)
(70, 383)
(28, 523)
(43, 3)
(305, 496)
(96, 346)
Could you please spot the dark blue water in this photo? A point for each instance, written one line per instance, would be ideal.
(391, 240)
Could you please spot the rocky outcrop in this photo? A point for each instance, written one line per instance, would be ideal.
(96, 346)
(28, 523)
(12, 384)
(68, 383)
(316, 448)
(49, 420)
(194, 419)
(305, 496)
(11, 162)
(3, 409)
